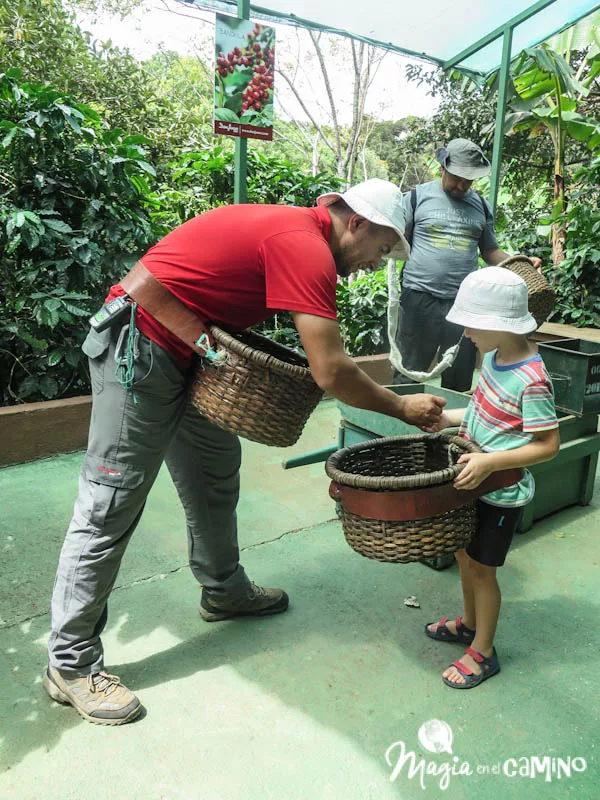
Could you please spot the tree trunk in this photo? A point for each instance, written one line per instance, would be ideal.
(344, 142)
(559, 229)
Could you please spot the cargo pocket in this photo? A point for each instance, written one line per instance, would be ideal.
(95, 347)
(105, 478)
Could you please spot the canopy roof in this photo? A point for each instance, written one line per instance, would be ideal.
(445, 32)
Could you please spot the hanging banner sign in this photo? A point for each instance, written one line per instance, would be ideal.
(244, 70)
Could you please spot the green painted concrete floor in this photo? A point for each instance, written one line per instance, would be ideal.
(304, 705)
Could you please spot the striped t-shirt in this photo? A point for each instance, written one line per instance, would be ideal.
(508, 407)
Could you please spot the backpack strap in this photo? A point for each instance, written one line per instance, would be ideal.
(486, 209)
(413, 205)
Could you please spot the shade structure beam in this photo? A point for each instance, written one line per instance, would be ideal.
(497, 33)
(500, 112)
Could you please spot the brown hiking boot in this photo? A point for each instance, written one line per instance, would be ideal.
(99, 698)
(256, 601)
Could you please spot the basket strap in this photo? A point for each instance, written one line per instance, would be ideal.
(157, 300)
(414, 504)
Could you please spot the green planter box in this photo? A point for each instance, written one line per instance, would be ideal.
(574, 365)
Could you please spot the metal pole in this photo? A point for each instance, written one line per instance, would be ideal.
(500, 110)
(312, 457)
(240, 185)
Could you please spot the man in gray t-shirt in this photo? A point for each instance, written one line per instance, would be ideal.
(450, 224)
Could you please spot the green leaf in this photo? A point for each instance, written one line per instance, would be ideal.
(88, 112)
(34, 219)
(58, 225)
(567, 104)
(234, 103)
(47, 317)
(77, 311)
(581, 131)
(48, 386)
(28, 387)
(140, 185)
(137, 138)
(37, 344)
(70, 111)
(73, 123)
(9, 137)
(30, 237)
(55, 357)
(13, 244)
(73, 357)
(594, 141)
(226, 115)
(146, 167)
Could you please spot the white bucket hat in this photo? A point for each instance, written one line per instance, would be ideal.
(493, 299)
(380, 202)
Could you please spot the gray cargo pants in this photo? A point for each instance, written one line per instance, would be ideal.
(126, 447)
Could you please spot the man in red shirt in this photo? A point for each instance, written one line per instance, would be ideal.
(234, 266)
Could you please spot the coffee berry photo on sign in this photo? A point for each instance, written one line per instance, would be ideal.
(244, 70)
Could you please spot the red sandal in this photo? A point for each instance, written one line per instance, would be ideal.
(463, 634)
(489, 667)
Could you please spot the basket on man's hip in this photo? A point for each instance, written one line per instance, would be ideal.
(255, 388)
(243, 382)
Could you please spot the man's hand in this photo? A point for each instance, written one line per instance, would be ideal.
(537, 263)
(477, 468)
(422, 410)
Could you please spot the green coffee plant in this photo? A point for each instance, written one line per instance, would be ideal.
(576, 279)
(200, 180)
(362, 314)
(74, 199)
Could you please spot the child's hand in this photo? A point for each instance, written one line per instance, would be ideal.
(477, 468)
(445, 421)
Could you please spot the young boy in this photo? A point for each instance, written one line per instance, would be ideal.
(511, 417)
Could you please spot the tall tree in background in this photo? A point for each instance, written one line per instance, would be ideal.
(343, 141)
(407, 166)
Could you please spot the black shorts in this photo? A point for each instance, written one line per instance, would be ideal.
(495, 529)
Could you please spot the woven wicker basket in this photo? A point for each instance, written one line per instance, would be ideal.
(262, 391)
(541, 297)
(401, 465)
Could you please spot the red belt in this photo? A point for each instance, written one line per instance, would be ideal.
(413, 504)
(157, 300)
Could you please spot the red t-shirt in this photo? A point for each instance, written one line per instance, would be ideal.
(239, 265)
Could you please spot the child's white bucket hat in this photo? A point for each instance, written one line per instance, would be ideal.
(380, 202)
(493, 299)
